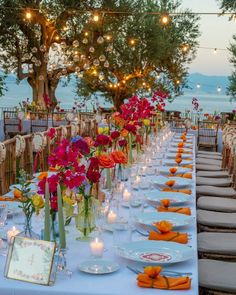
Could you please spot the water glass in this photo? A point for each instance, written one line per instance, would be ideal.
(3, 214)
(122, 233)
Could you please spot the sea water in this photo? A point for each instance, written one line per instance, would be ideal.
(210, 103)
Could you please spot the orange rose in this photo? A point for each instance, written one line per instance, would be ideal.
(124, 132)
(164, 226)
(170, 183)
(178, 155)
(17, 193)
(165, 203)
(42, 175)
(105, 161)
(173, 170)
(119, 157)
(181, 144)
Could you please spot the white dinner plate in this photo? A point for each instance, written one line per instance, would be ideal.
(166, 170)
(155, 252)
(98, 266)
(188, 136)
(160, 181)
(173, 156)
(171, 162)
(155, 197)
(176, 219)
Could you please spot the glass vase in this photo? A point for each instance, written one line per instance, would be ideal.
(85, 219)
(27, 231)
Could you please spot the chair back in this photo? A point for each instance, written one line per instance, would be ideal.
(177, 125)
(207, 134)
(8, 166)
(38, 121)
(59, 119)
(12, 124)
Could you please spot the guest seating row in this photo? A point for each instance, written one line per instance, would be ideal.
(216, 216)
(30, 152)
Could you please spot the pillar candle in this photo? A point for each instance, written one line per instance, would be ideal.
(61, 223)
(47, 214)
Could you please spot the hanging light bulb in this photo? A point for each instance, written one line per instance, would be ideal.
(215, 51)
(91, 49)
(96, 62)
(57, 38)
(219, 89)
(86, 34)
(177, 82)
(95, 72)
(106, 64)
(198, 86)
(85, 41)
(75, 43)
(101, 76)
(108, 37)
(100, 40)
(185, 48)
(102, 58)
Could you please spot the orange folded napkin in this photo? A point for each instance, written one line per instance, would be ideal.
(180, 144)
(188, 166)
(171, 236)
(151, 278)
(184, 175)
(165, 208)
(184, 191)
(7, 199)
(184, 210)
(170, 183)
(164, 233)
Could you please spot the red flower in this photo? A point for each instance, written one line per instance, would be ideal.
(115, 134)
(122, 142)
(53, 202)
(131, 128)
(93, 175)
(102, 140)
(51, 133)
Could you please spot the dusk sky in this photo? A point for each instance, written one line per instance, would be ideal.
(216, 32)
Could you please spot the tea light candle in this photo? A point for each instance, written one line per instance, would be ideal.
(97, 247)
(11, 233)
(126, 195)
(111, 217)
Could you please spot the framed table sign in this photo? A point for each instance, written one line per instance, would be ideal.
(30, 260)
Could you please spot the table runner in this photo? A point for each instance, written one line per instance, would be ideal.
(119, 283)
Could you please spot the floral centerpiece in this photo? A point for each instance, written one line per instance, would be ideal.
(30, 203)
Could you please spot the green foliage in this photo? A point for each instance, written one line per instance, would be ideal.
(2, 85)
(157, 51)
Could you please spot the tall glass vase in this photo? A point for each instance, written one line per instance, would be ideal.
(85, 219)
(28, 231)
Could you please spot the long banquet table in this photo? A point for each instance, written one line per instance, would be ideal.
(122, 282)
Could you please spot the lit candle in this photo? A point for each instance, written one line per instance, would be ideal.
(111, 217)
(126, 195)
(11, 233)
(97, 247)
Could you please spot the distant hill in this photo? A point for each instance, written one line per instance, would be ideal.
(208, 84)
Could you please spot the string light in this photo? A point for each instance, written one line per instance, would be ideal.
(57, 38)
(218, 89)
(65, 28)
(215, 51)
(86, 34)
(132, 42)
(96, 18)
(28, 15)
(177, 82)
(108, 37)
(198, 86)
(165, 19)
(185, 47)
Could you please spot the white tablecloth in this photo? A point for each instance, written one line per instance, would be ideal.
(122, 282)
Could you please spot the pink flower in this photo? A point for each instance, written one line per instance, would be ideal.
(51, 133)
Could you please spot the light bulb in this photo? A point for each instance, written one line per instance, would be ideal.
(165, 19)
(198, 86)
(96, 18)
(28, 15)
(215, 51)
